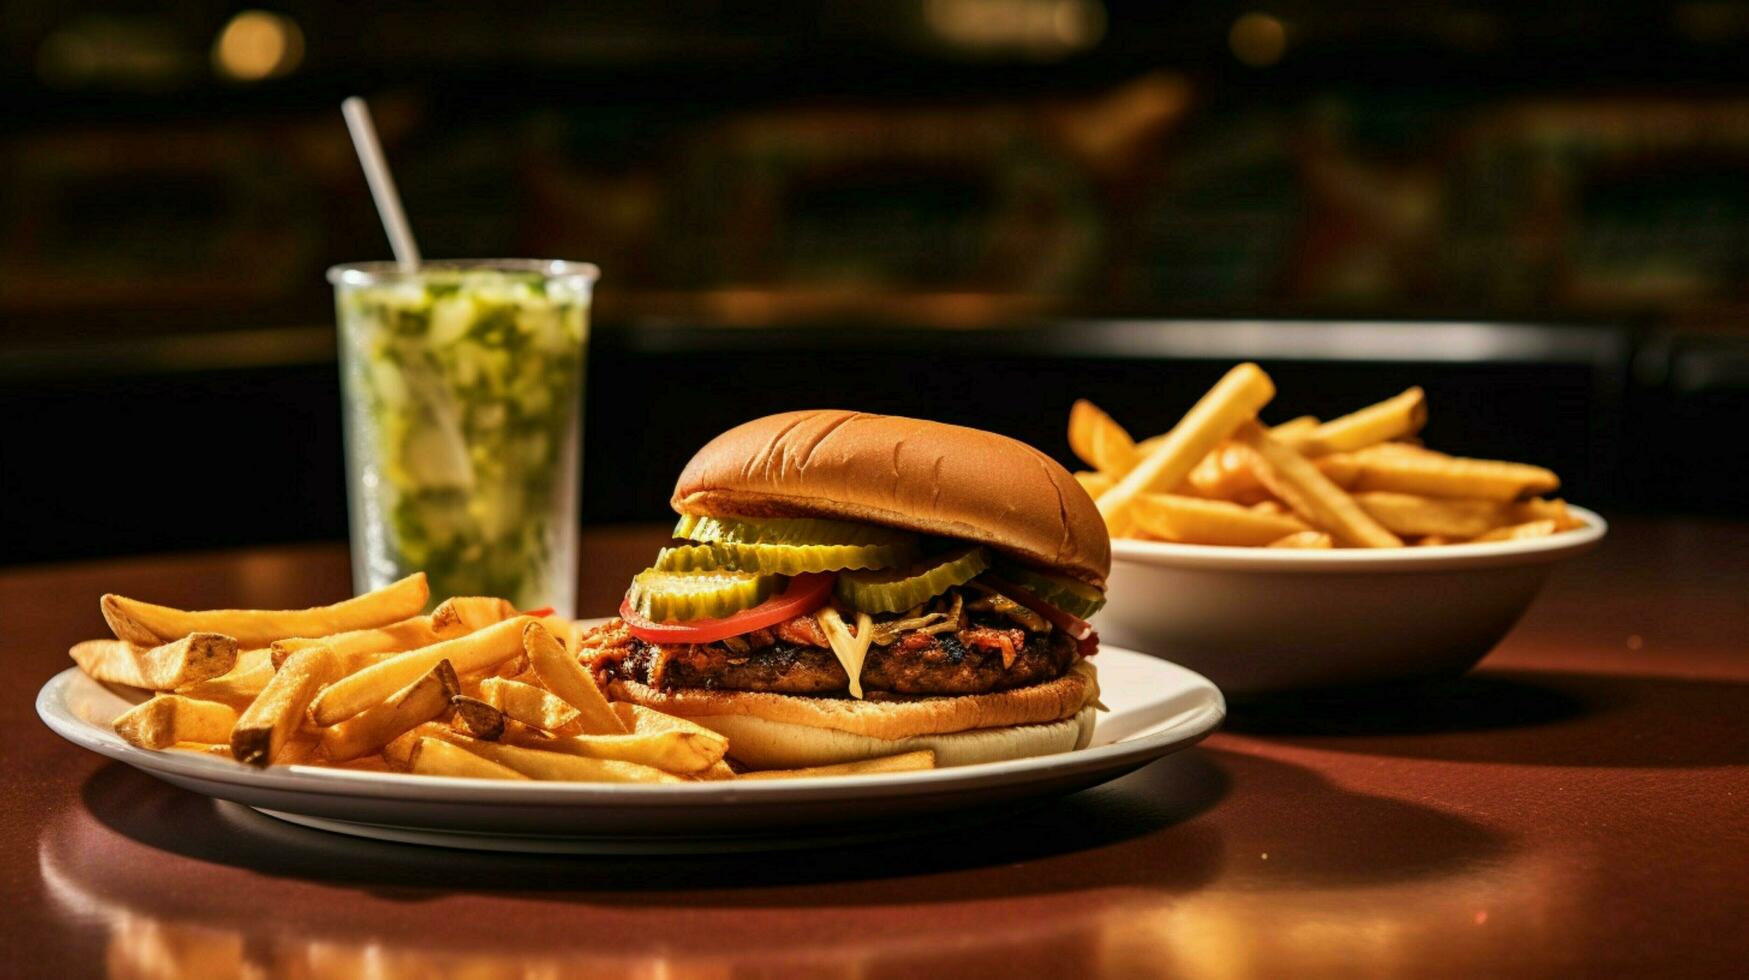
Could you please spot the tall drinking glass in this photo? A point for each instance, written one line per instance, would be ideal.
(462, 387)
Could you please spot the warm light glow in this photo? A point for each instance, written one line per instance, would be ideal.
(257, 44)
(1258, 39)
(68, 57)
(136, 53)
(1044, 28)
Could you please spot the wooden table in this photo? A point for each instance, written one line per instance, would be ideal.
(1579, 807)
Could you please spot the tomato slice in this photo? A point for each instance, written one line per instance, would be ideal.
(541, 613)
(1080, 629)
(804, 594)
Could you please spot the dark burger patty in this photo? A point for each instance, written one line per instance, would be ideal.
(944, 666)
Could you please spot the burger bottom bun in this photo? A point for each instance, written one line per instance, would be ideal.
(783, 731)
(761, 744)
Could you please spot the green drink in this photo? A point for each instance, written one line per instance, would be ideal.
(462, 386)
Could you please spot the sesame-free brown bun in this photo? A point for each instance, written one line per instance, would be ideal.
(921, 476)
(783, 731)
(760, 744)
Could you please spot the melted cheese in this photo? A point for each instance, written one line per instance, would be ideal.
(850, 650)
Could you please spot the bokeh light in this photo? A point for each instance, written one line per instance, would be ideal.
(258, 44)
(1258, 39)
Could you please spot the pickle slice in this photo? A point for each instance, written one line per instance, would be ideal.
(670, 597)
(899, 589)
(1072, 596)
(785, 530)
(692, 558)
(784, 559)
(786, 546)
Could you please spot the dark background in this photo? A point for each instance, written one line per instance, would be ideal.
(974, 210)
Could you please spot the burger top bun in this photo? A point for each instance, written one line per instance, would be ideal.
(928, 477)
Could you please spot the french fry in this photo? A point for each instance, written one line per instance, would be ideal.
(516, 733)
(111, 662)
(1515, 532)
(1304, 539)
(560, 672)
(1236, 398)
(514, 667)
(1269, 507)
(642, 720)
(170, 718)
(904, 762)
(717, 771)
(1094, 483)
(1409, 515)
(354, 645)
(477, 718)
(1224, 474)
(1341, 469)
(195, 657)
(1433, 541)
(1294, 428)
(398, 753)
(375, 727)
(532, 706)
(673, 751)
(1193, 520)
(435, 757)
(1311, 495)
(1538, 509)
(149, 625)
(1405, 447)
(299, 749)
(1393, 418)
(566, 631)
(275, 715)
(1433, 474)
(468, 654)
(464, 614)
(539, 764)
(352, 663)
(238, 687)
(1099, 440)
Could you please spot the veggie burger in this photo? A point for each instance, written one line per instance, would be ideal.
(849, 586)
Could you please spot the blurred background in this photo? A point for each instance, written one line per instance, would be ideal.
(974, 210)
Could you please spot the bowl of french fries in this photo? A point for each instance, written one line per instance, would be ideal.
(1316, 553)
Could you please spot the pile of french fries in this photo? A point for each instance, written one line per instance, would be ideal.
(1221, 477)
(473, 689)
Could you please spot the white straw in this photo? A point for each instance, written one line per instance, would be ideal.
(382, 183)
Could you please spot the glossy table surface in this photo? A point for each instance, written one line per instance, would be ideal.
(1579, 806)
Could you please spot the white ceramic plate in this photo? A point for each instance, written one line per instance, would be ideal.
(1263, 621)
(1156, 708)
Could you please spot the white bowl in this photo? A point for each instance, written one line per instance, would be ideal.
(1259, 621)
